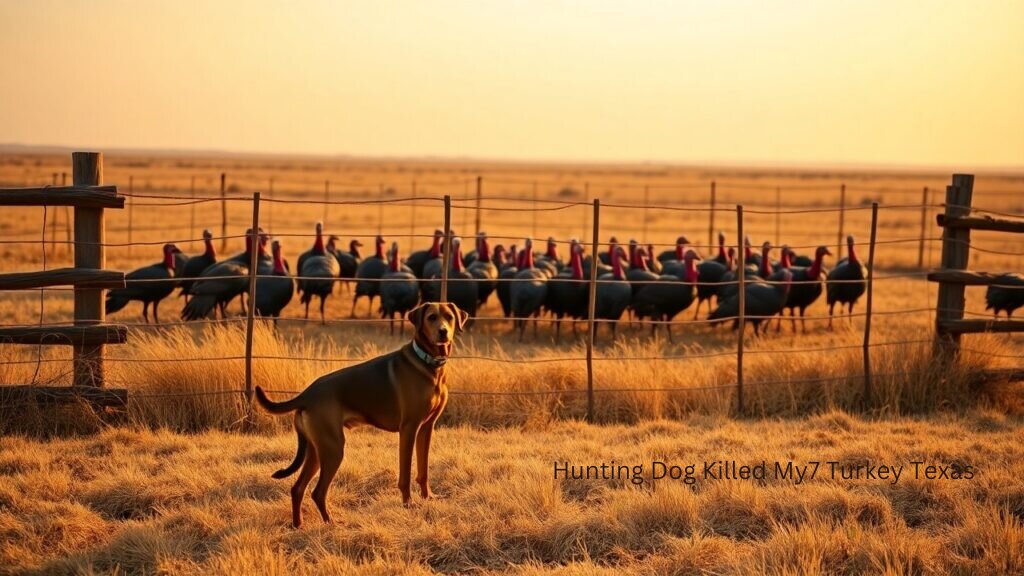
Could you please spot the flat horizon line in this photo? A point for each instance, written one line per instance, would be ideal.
(761, 165)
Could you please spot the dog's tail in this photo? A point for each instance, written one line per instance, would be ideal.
(300, 455)
(276, 407)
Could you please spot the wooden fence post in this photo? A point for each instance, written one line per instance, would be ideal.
(131, 202)
(711, 219)
(924, 225)
(591, 306)
(447, 247)
(250, 315)
(223, 212)
(842, 216)
(479, 193)
(90, 252)
(867, 318)
(742, 320)
(955, 254)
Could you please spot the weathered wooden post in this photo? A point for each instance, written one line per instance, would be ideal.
(90, 252)
(591, 306)
(250, 314)
(53, 222)
(446, 263)
(956, 244)
(223, 212)
(742, 320)
(867, 319)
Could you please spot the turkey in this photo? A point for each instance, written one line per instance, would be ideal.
(605, 257)
(196, 264)
(749, 257)
(602, 267)
(710, 274)
(275, 286)
(400, 291)
(807, 284)
(462, 290)
(222, 282)
(506, 272)
(845, 283)
(669, 296)
(653, 264)
(419, 258)
(568, 293)
(1005, 294)
(484, 270)
(348, 262)
(549, 262)
(751, 273)
(370, 270)
(675, 254)
(142, 285)
(675, 265)
(638, 275)
(722, 258)
(528, 292)
(318, 270)
(613, 293)
(762, 302)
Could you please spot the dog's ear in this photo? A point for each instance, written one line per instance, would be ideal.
(415, 315)
(461, 315)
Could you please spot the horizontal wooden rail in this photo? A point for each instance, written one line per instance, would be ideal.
(1000, 375)
(965, 277)
(73, 335)
(81, 277)
(976, 326)
(981, 223)
(16, 395)
(77, 196)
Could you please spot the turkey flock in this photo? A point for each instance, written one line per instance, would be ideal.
(529, 283)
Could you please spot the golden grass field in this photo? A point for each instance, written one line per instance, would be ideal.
(174, 486)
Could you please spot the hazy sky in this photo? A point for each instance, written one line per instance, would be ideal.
(937, 83)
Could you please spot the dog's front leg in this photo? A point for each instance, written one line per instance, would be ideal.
(422, 454)
(406, 442)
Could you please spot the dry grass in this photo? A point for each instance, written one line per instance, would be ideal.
(135, 501)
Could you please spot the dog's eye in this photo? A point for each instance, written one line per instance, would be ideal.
(432, 317)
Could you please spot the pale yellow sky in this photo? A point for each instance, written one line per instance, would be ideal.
(931, 83)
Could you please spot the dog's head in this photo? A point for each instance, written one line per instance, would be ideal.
(436, 324)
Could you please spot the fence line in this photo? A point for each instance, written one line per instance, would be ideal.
(475, 203)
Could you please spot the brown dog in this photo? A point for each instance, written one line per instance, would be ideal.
(404, 391)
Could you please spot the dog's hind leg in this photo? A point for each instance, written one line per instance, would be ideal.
(309, 468)
(331, 448)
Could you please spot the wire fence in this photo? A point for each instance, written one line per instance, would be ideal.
(256, 271)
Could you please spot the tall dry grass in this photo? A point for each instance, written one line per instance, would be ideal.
(189, 379)
(146, 502)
